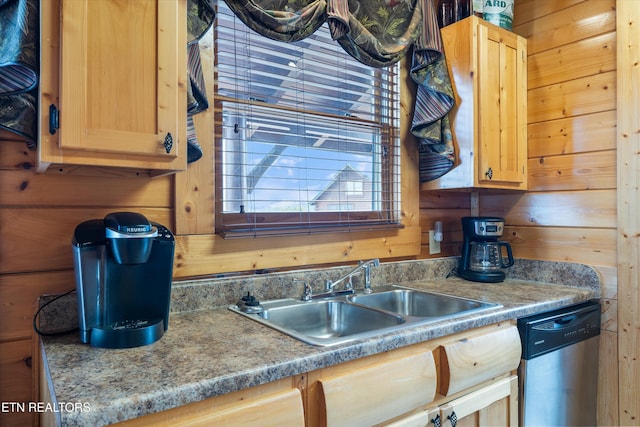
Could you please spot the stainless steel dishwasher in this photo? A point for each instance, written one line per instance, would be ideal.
(558, 373)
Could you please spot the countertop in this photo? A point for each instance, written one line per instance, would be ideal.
(214, 351)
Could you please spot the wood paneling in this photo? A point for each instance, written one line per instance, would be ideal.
(198, 255)
(587, 246)
(558, 25)
(448, 207)
(22, 188)
(15, 382)
(585, 171)
(628, 242)
(18, 299)
(530, 10)
(555, 209)
(608, 380)
(39, 239)
(590, 132)
(569, 62)
(586, 95)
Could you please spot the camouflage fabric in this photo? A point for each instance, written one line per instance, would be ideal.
(377, 33)
(19, 63)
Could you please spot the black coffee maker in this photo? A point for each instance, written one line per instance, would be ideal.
(123, 267)
(483, 257)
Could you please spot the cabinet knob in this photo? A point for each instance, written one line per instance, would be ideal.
(489, 173)
(436, 421)
(168, 142)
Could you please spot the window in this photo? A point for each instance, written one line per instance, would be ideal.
(306, 136)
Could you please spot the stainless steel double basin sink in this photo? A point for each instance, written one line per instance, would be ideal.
(342, 318)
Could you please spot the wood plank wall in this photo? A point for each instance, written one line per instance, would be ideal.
(628, 147)
(569, 212)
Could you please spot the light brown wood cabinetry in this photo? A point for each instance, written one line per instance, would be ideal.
(379, 392)
(475, 381)
(488, 68)
(273, 404)
(493, 405)
(473, 359)
(114, 74)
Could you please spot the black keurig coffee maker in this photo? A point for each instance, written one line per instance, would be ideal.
(123, 268)
(483, 257)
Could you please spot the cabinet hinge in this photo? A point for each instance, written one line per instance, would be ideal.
(54, 119)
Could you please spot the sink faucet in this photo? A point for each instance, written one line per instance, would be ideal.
(365, 266)
(330, 286)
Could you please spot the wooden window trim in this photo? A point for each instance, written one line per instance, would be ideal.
(200, 251)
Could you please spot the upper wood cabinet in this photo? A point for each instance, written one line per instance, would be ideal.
(115, 74)
(488, 69)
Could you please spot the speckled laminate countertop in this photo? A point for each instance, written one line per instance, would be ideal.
(213, 351)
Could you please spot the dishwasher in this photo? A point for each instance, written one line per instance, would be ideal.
(558, 373)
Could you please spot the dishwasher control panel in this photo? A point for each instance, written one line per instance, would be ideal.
(549, 331)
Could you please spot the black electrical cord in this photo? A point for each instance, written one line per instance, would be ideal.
(35, 318)
(453, 272)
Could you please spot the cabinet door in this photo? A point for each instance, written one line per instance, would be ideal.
(380, 392)
(493, 405)
(501, 106)
(121, 73)
(472, 360)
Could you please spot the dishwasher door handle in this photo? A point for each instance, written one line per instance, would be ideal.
(565, 321)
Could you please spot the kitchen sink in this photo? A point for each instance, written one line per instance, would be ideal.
(342, 318)
(411, 302)
(327, 321)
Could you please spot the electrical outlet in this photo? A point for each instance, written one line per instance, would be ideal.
(434, 245)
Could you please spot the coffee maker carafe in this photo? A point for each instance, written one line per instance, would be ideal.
(483, 256)
(123, 268)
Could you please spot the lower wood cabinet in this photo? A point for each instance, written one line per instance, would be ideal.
(369, 396)
(465, 379)
(274, 404)
(493, 405)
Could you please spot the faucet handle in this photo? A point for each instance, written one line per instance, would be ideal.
(328, 285)
(349, 284)
(307, 292)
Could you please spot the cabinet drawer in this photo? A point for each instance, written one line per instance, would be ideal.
(254, 407)
(471, 361)
(380, 392)
(493, 405)
(282, 409)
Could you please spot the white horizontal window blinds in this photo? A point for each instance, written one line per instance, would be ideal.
(306, 136)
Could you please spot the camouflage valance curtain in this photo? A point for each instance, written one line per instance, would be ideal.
(377, 33)
(19, 62)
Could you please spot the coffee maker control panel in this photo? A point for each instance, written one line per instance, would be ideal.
(489, 228)
(164, 234)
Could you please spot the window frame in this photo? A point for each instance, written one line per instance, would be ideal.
(200, 252)
(258, 224)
